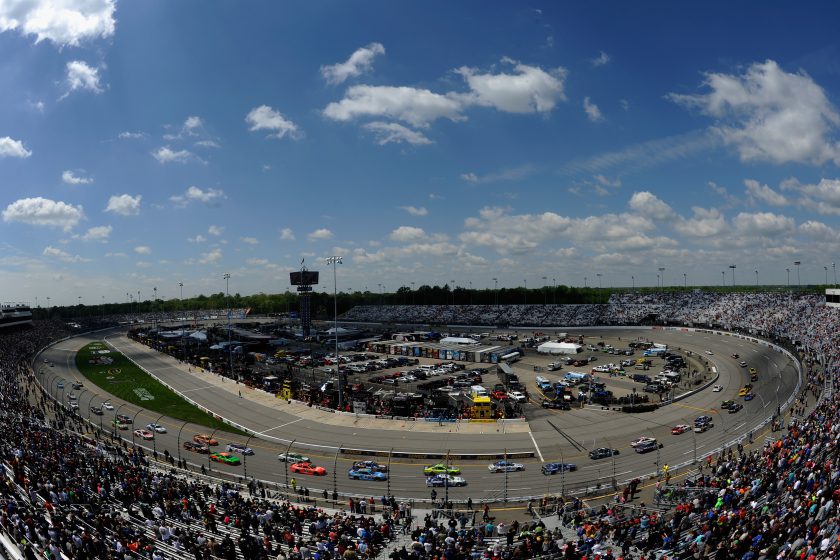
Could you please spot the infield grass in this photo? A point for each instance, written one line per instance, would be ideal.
(117, 375)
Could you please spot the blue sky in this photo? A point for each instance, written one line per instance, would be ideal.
(143, 144)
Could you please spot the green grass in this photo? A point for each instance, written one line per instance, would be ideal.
(125, 380)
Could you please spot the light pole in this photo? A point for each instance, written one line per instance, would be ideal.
(662, 275)
(545, 296)
(453, 291)
(412, 293)
(633, 282)
(585, 282)
(826, 275)
(788, 277)
(554, 290)
(227, 297)
(526, 291)
(834, 270)
(334, 261)
(723, 278)
(798, 279)
(495, 291)
(756, 278)
(732, 266)
(470, 292)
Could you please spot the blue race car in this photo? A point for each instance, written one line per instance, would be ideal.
(445, 480)
(554, 468)
(366, 474)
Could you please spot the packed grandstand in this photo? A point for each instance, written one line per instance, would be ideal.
(66, 494)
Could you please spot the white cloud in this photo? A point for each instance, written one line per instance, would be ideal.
(649, 204)
(469, 177)
(43, 212)
(143, 250)
(320, 234)
(196, 194)
(769, 114)
(505, 233)
(98, 233)
(360, 61)
(266, 118)
(415, 210)
(823, 197)
(81, 76)
(10, 147)
(249, 240)
(530, 89)
(407, 234)
(762, 224)
(215, 230)
(286, 234)
(418, 107)
(72, 179)
(592, 111)
(763, 193)
(128, 135)
(191, 124)
(212, 256)
(64, 22)
(704, 223)
(600, 60)
(394, 132)
(56, 253)
(197, 239)
(143, 264)
(165, 154)
(207, 144)
(257, 262)
(124, 204)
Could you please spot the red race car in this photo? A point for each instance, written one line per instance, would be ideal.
(308, 468)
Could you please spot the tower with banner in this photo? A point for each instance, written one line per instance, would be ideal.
(304, 279)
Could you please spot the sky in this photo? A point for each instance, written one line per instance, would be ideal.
(150, 144)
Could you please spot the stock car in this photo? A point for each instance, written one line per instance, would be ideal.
(445, 480)
(239, 448)
(364, 473)
(726, 404)
(717, 388)
(554, 468)
(373, 465)
(642, 440)
(556, 404)
(293, 458)
(749, 396)
(156, 428)
(96, 410)
(145, 434)
(225, 458)
(505, 466)
(602, 452)
(107, 405)
(205, 439)
(119, 425)
(124, 419)
(680, 429)
(308, 468)
(196, 447)
(735, 408)
(440, 468)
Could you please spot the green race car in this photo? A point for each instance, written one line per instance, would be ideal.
(225, 458)
(440, 468)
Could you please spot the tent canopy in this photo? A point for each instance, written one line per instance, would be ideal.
(558, 348)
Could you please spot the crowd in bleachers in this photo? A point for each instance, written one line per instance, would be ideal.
(63, 493)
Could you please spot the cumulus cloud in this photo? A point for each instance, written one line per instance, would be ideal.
(769, 114)
(72, 179)
(360, 61)
(63, 22)
(418, 107)
(44, 212)
(124, 204)
(405, 234)
(320, 235)
(762, 224)
(129, 135)
(143, 250)
(266, 118)
(592, 111)
(529, 89)
(387, 133)
(81, 76)
(249, 240)
(165, 154)
(600, 60)
(215, 230)
(705, 222)
(651, 205)
(197, 239)
(469, 177)
(210, 257)
(763, 193)
(196, 194)
(9, 147)
(415, 210)
(98, 233)
(56, 253)
(822, 197)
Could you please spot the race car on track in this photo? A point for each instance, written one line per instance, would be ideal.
(96, 410)
(735, 408)
(124, 419)
(364, 473)
(680, 429)
(205, 439)
(642, 440)
(308, 468)
(717, 388)
(440, 468)
(196, 447)
(119, 425)
(554, 468)
(145, 434)
(239, 448)
(225, 458)
(156, 428)
(373, 465)
(602, 452)
(505, 466)
(726, 404)
(445, 480)
(293, 458)
(749, 396)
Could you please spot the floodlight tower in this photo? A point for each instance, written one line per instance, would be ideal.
(304, 280)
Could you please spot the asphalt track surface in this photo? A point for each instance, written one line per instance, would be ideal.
(564, 436)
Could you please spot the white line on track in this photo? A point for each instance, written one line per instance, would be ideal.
(197, 389)
(537, 447)
(739, 426)
(278, 427)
